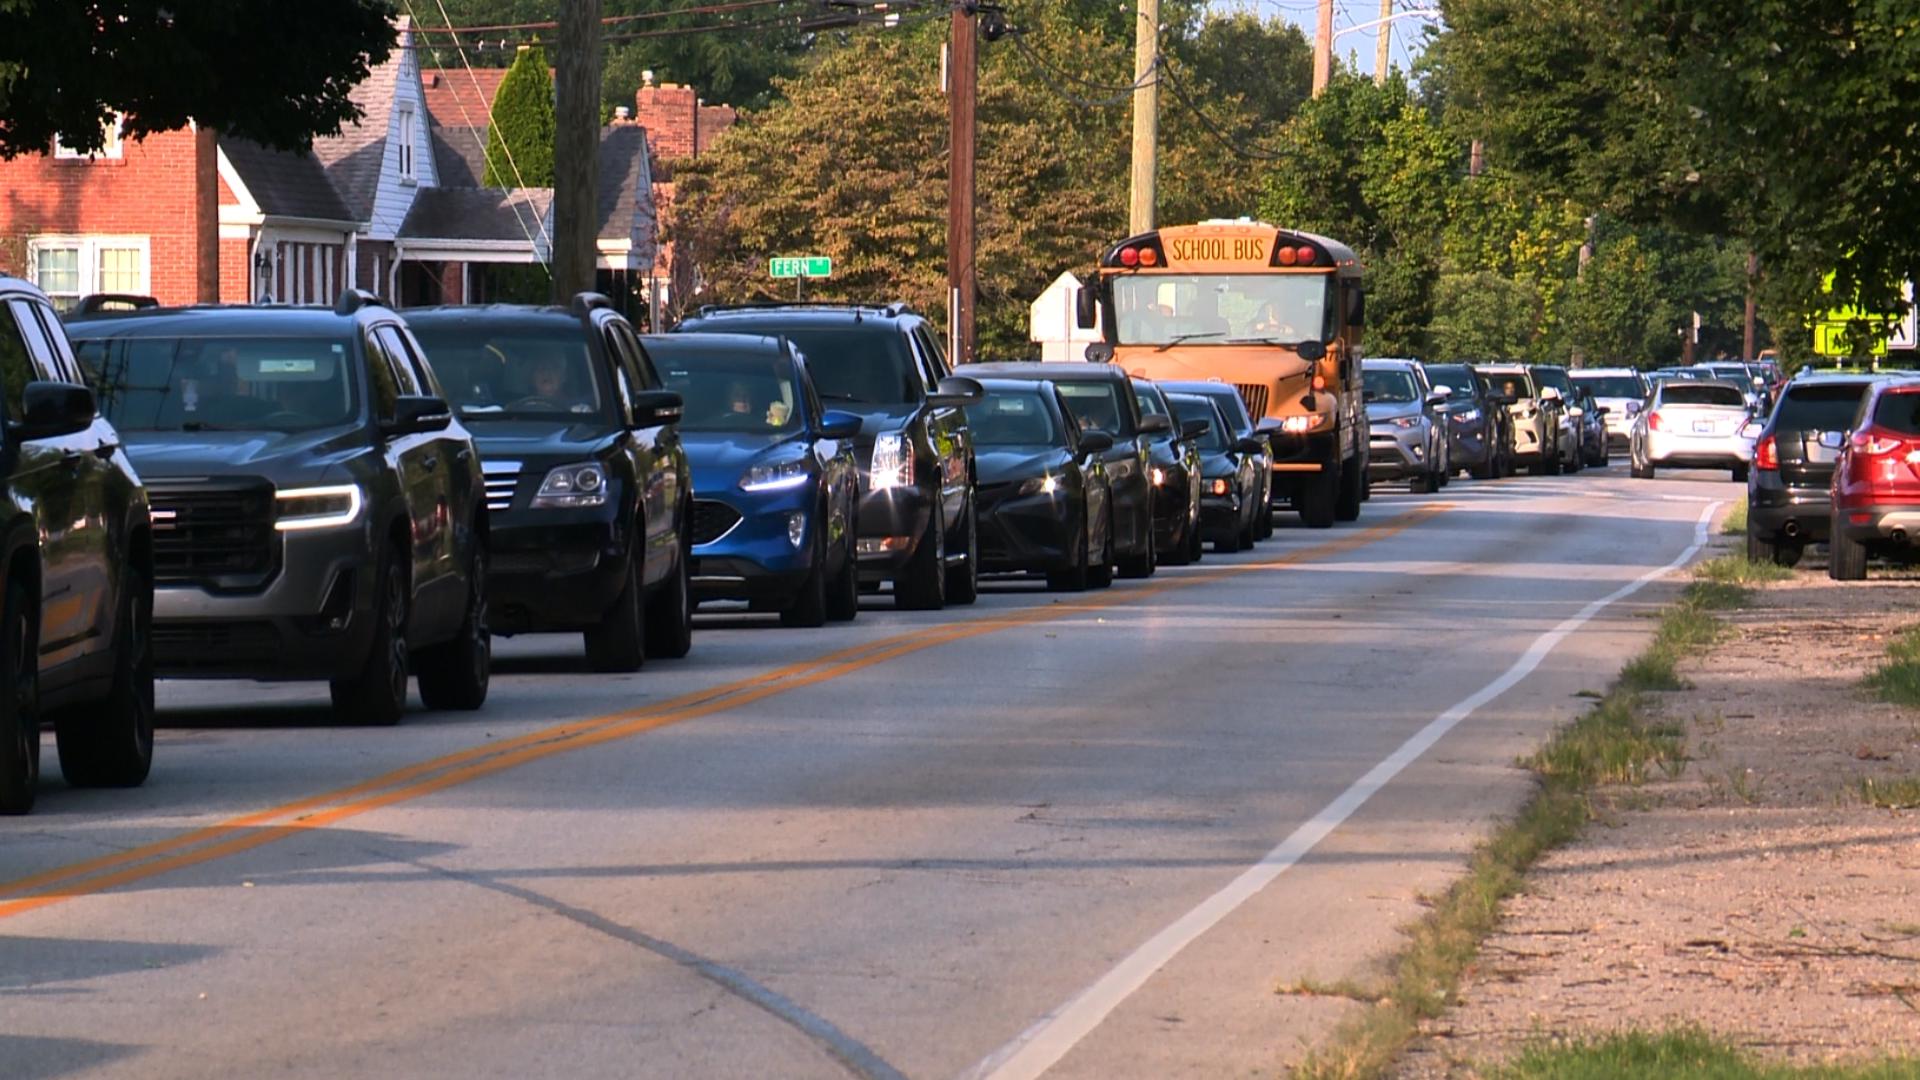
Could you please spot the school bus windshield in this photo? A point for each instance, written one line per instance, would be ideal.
(1221, 309)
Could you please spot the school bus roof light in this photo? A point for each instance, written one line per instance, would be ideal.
(1307, 256)
(1149, 257)
(1287, 256)
(1129, 257)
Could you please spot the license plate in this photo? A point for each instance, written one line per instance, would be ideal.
(1703, 427)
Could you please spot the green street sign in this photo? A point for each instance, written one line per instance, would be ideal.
(799, 266)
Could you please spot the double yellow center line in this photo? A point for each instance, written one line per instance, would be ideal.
(249, 831)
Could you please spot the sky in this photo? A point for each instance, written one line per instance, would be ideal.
(1359, 44)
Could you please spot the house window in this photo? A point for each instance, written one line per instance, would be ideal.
(406, 144)
(108, 149)
(69, 267)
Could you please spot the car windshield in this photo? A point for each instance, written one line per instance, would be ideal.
(1453, 377)
(493, 373)
(1698, 393)
(1555, 378)
(1514, 385)
(1819, 408)
(222, 383)
(1096, 406)
(1612, 386)
(1221, 309)
(1235, 410)
(1189, 407)
(1152, 404)
(743, 392)
(866, 367)
(1390, 386)
(1013, 418)
(1898, 411)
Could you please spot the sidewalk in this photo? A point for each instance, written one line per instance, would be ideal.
(1757, 894)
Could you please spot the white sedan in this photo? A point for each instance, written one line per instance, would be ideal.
(1693, 424)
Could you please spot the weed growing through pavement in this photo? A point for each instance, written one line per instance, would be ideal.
(1744, 783)
(1900, 794)
(1679, 1054)
(1898, 680)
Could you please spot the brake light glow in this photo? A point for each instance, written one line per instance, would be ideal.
(1874, 443)
(1766, 456)
(1653, 422)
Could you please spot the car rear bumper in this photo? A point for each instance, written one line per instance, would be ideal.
(1895, 524)
(1697, 451)
(1798, 515)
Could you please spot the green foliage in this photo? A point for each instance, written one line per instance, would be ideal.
(1898, 680)
(275, 73)
(520, 140)
(1484, 315)
(1269, 63)
(1687, 1053)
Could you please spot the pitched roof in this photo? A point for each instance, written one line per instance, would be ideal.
(478, 214)
(624, 186)
(459, 154)
(352, 158)
(284, 184)
(460, 95)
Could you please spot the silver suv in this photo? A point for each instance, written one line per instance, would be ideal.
(1406, 440)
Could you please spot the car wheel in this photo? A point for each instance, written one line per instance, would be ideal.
(669, 630)
(1788, 555)
(1143, 564)
(19, 702)
(1319, 492)
(1249, 533)
(1639, 471)
(922, 583)
(807, 607)
(1073, 576)
(454, 674)
(1846, 557)
(1488, 469)
(110, 743)
(1100, 574)
(378, 694)
(1231, 541)
(1196, 543)
(963, 581)
(1760, 548)
(843, 593)
(619, 643)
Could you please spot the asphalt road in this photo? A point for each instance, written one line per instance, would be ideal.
(1081, 835)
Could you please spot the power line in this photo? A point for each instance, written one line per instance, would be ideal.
(1211, 126)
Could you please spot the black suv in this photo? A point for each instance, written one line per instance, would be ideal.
(587, 484)
(78, 555)
(1788, 501)
(318, 510)
(918, 525)
(1175, 472)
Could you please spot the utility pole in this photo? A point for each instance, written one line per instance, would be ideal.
(576, 148)
(1384, 49)
(963, 72)
(1323, 49)
(1146, 115)
(1750, 336)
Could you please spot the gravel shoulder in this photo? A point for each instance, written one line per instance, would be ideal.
(1754, 894)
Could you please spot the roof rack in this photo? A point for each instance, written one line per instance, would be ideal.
(889, 310)
(352, 300)
(98, 302)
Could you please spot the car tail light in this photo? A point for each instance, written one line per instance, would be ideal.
(1874, 443)
(1653, 422)
(1766, 456)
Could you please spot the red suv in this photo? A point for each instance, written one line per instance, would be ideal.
(1876, 484)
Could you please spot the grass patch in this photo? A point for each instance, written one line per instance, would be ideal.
(1683, 1054)
(1900, 794)
(1613, 743)
(1736, 522)
(1740, 570)
(1898, 680)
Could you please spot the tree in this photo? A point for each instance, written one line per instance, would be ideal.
(1267, 62)
(520, 141)
(272, 72)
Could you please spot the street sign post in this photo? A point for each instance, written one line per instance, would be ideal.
(799, 268)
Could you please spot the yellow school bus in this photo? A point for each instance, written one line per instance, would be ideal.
(1276, 313)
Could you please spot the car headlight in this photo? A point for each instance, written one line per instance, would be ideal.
(1466, 416)
(892, 463)
(1040, 485)
(572, 486)
(1297, 425)
(777, 476)
(1220, 486)
(316, 507)
(1159, 476)
(1404, 422)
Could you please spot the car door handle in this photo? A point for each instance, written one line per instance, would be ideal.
(431, 461)
(105, 451)
(463, 455)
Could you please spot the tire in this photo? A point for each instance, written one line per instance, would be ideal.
(378, 695)
(454, 674)
(922, 583)
(669, 614)
(808, 606)
(1761, 549)
(963, 581)
(1196, 543)
(1788, 555)
(1249, 533)
(1235, 540)
(1319, 496)
(19, 702)
(1420, 485)
(1100, 574)
(1352, 489)
(1073, 577)
(1574, 461)
(843, 592)
(110, 743)
(618, 644)
(1639, 471)
(1488, 469)
(1740, 474)
(1143, 564)
(1846, 557)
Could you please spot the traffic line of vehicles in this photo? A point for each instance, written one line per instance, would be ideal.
(1430, 422)
(364, 497)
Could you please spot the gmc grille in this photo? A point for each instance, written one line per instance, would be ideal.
(212, 532)
(712, 520)
(1256, 398)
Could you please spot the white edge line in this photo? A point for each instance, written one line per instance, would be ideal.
(1050, 1038)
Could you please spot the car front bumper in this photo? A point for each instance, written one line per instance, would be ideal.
(1395, 453)
(1022, 533)
(893, 523)
(768, 553)
(1469, 443)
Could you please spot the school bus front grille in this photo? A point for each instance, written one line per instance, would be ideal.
(1255, 395)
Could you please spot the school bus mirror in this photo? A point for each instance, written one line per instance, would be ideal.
(1086, 308)
(1311, 351)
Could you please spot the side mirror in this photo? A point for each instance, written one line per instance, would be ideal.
(957, 392)
(1155, 425)
(1357, 307)
(1833, 440)
(1086, 307)
(1311, 351)
(835, 424)
(1576, 412)
(1633, 407)
(1444, 389)
(49, 410)
(1601, 410)
(1751, 429)
(1251, 445)
(1194, 429)
(656, 408)
(415, 414)
(1439, 396)
(1548, 393)
(1095, 442)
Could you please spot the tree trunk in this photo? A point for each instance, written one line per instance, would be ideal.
(576, 148)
